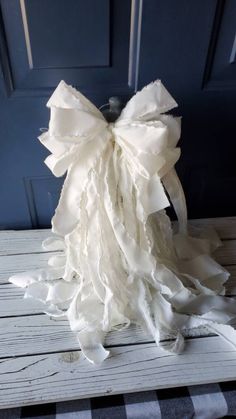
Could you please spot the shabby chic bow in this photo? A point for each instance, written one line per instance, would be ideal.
(119, 261)
(146, 139)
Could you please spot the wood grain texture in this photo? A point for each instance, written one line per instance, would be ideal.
(30, 335)
(224, 226)
(13, 264)
(30, 241)
(40, 360)
(231, 283)
(22, 241)
(226, 254)
(13, 304)
(66, 376)
(40, 334)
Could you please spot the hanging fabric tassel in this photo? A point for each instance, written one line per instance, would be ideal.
(120, 261)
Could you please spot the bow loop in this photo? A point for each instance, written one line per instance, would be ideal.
(148, 146)
(74, 121)
(66, 97)
(148, 103)
(78, 135)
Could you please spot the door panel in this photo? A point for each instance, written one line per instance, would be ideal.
(90, 45)
(191, 47)
(220, 71)
(112, 47)
(85, 43)
(42, 194)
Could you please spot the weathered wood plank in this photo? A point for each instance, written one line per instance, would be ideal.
(22, 241)
(67, 376)
(226, 254)
(11, 264)
(24, 335)
(30, 335)
(137, 364)
(40, 334)
(13, 304)
(225, 226)
(29, 241)
(231, 283)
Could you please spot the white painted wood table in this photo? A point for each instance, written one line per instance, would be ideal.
(40, 360)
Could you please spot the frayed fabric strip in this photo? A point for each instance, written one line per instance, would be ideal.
(119, 261)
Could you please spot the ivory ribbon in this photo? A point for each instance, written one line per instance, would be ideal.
(119, 262)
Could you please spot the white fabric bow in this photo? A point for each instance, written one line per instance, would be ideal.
(78, 133)
(121, 263)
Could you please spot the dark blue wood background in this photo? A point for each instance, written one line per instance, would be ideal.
(114, 47)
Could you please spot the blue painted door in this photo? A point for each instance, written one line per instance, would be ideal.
(107, 48)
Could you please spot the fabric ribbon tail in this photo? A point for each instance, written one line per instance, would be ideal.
(175, 191)
(227, 332)
(175, 346)
(91, 344)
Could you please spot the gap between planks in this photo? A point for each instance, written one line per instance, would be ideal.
(29, 241)
(13, 304)
(100, 380)
(23, 336)
(32, 333)
(12, 264)
(56, 377)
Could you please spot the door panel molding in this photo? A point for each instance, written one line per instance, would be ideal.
(26, 32)
(42, 194)
(220, 71)
(109, 63)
